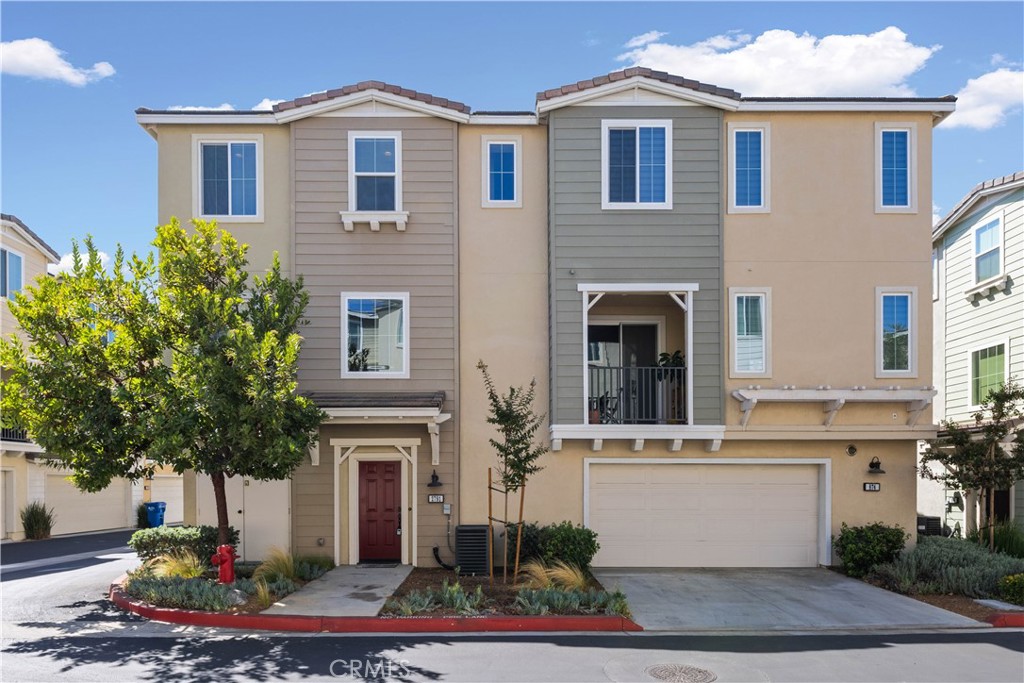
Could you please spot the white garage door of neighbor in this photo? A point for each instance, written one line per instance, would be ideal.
(76, 511)
(689, 515)
(167, 488)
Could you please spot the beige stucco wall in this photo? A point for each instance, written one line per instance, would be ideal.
(823, 250)
(503, 307)
(175, 176)
(17, 468)
(34, 264)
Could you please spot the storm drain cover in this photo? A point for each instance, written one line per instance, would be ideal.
(680, 673)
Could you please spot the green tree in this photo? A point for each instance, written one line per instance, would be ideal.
(512, 413)
(200, 371)
(988, 455)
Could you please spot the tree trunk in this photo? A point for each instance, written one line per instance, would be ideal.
(221, 500)
(992, 520)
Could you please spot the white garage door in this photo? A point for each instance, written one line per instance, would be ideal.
(689, 515)
(76, 511)
(167, 488)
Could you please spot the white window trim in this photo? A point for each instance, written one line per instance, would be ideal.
(198, 140)
(406, 345)
(911, 130)
(1005, 342)
(21, 285)
(353, 135)
(999, 218)
(485, 177)
(608, 124)
(766, 178)
(912, 342)
(735, 292)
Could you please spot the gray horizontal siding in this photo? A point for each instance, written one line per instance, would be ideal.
(680, 245)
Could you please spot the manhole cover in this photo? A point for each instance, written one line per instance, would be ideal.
(680, 673)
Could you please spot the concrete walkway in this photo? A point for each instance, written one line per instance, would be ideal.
(768, 600)
(344, 591)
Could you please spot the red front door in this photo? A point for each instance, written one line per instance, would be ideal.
(380, 514)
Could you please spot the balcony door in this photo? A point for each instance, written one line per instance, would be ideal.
(622, 359)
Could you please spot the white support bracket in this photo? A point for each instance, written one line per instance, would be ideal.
(747, 405)
(713, 445)
(833, 407)
(638, 445)
(314, 453)
(675, 445)
(914, 410)
(556, 445)
(597, 444)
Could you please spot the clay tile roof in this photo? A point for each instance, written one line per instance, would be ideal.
(633, 72)
(373, 85)
(17, 221)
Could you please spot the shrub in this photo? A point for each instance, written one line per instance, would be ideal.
(531, 544)
(573, 601)
(861, 548)
(201, 540)
(182, 563)
(948, 565)
(570, 544)
(453, 596)
(309, 567)
(182, 593)
(37, 520)
(1009, 538)
(279, 564)
(414, 602)
(141, 517)
(534, 574)
(1011, 588)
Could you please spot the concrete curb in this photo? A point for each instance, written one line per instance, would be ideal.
(323, 624)
(1007, 620)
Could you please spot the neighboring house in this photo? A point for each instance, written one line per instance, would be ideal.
(977, 263)
(24, 256)
(779, 245)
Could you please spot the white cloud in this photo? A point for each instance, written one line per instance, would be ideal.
(1001, 60)
(644, 38)
(183, 107)
(67, 262)
(936, 214)
(782, 63)
(266, 104)
(38, 58)
(986, 100)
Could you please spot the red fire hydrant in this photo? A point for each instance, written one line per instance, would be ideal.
(224, 560)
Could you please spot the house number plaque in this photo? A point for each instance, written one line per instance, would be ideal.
(871, 486)
(435, 497)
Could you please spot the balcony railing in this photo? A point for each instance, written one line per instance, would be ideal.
(11, 434)
(637, 395)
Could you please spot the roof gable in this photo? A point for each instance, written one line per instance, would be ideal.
(31, 237)
(372, 92)
(661, 85)
(980, 191)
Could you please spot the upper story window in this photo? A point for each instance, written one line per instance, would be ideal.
(228, 172)
(375, 335)
(988, 371)
(988, 250)
(11, 273)
(636, 164)
(751, 339)
(896, 332)
(895, 179)
(375, 172)
(502, 171)
(748, 168)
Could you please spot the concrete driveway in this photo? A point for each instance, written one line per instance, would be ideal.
(768, 600)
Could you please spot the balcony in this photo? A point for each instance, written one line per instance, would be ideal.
(12, 434)
(637, 395)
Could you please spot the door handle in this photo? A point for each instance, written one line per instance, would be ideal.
(398, 531)
(239, 512)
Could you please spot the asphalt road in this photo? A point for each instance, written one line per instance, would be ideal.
(58, 626)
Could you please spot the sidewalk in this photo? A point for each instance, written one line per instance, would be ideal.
(62, 548)
(345, 591)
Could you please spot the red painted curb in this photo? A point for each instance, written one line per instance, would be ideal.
(1007, 620)
(292, 622)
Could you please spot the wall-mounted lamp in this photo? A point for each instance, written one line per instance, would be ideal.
(956, 502)
(875, 466)
(851, 450)
(435, 481)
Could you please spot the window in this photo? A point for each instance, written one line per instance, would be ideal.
(896, 332)
(751, 345)
(988, 371)
(228, 177)
(375, 172)
(502, 170)
(988, 243)
(636, 164)
(375, 334)
(10, 273)
(748, 168)
(895, 184)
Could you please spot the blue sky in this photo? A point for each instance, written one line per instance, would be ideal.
(73, 160)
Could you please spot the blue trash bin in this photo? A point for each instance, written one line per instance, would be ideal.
(155, 513)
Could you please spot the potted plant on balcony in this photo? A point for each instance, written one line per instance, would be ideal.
(670, 369)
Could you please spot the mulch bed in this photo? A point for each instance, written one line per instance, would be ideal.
(501, 595)
(959, 604)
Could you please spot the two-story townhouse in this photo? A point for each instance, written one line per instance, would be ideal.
(25, 476)
(738, 353)
(978, 255)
